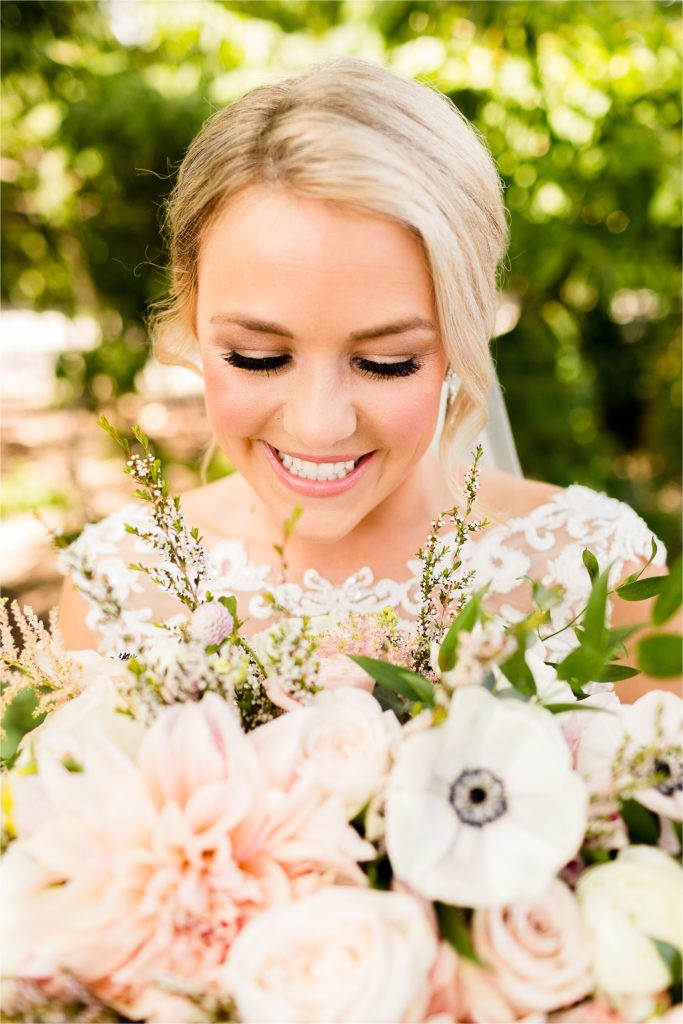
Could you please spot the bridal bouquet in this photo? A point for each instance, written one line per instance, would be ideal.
(344, 824)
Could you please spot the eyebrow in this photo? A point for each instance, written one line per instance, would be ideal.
(381, 331)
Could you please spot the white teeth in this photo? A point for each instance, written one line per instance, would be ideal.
(315, 470)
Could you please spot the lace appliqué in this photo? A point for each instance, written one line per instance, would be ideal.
(546, 544)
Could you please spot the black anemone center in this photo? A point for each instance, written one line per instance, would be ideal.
(670, 773)
(478, 797)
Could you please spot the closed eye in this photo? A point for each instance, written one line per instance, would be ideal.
(405, 368)
(272, 364)
(264, 364)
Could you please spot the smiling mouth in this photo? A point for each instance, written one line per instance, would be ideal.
(317, 471)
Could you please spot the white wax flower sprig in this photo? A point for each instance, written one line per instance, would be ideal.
(184, 566)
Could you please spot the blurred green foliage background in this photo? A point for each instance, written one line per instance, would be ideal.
(579, 101)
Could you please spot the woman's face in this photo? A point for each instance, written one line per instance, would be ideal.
(322, 359)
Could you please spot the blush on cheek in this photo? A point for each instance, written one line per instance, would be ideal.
(410, 423)
(234, 412)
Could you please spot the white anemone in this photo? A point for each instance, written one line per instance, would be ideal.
(486, 808)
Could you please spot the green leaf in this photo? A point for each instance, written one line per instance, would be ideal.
(389, 701)
(593, 622)
(544, 598)
(557, 709)
(516, 670)
(659, 655)
(670, 598)
(641, 590)
(582, 665)
(620, 633)
(614, 673)
(642, 825)
(463, 623)
(398, 680)
(591, 564)
(291, 522)
(454, 929)
(671, 957)
(230, 602)
(594, 855)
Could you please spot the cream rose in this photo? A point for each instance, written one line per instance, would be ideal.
(626, 904)
(343, 954)
(343, 738)
(537, 949)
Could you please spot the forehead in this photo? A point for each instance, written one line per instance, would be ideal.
(267, 242)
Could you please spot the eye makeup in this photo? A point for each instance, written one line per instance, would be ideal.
(272, 364)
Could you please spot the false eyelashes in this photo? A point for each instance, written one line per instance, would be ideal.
(272, 364)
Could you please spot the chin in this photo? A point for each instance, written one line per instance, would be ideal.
(315, 526)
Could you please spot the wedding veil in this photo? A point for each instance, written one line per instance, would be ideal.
(496, 438)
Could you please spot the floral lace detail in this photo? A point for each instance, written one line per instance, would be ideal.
(546, 544)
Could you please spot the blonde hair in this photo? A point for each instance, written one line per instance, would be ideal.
(350, 131)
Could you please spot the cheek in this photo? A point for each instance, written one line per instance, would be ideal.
(408, 419)
(235, 409)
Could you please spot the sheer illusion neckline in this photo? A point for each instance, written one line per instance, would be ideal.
(544, 544)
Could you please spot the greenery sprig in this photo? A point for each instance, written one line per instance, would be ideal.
(443, 592)
(185, 558)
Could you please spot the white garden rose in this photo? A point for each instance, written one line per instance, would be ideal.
(537, 950)
(484, 809)
(351, 955)
(626, 904)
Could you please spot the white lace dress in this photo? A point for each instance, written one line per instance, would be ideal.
(546, 545)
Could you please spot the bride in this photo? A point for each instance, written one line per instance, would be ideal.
(335, 240)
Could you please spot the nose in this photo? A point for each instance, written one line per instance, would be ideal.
(319, 414)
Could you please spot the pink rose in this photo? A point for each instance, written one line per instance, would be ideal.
(590, 1012)
(339, 670)
(537, 949)
(481, 999)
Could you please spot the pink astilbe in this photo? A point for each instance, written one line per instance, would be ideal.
(147, 868)
(42, 664)
(374, 635)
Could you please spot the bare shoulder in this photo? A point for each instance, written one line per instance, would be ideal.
(504, 496)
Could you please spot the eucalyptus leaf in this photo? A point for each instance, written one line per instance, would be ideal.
(659, 655)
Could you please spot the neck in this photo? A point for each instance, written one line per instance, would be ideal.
(390, 534)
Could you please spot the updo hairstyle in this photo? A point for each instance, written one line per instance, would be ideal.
(350, 131)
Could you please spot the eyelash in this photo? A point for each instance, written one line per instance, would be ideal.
(272, 364)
